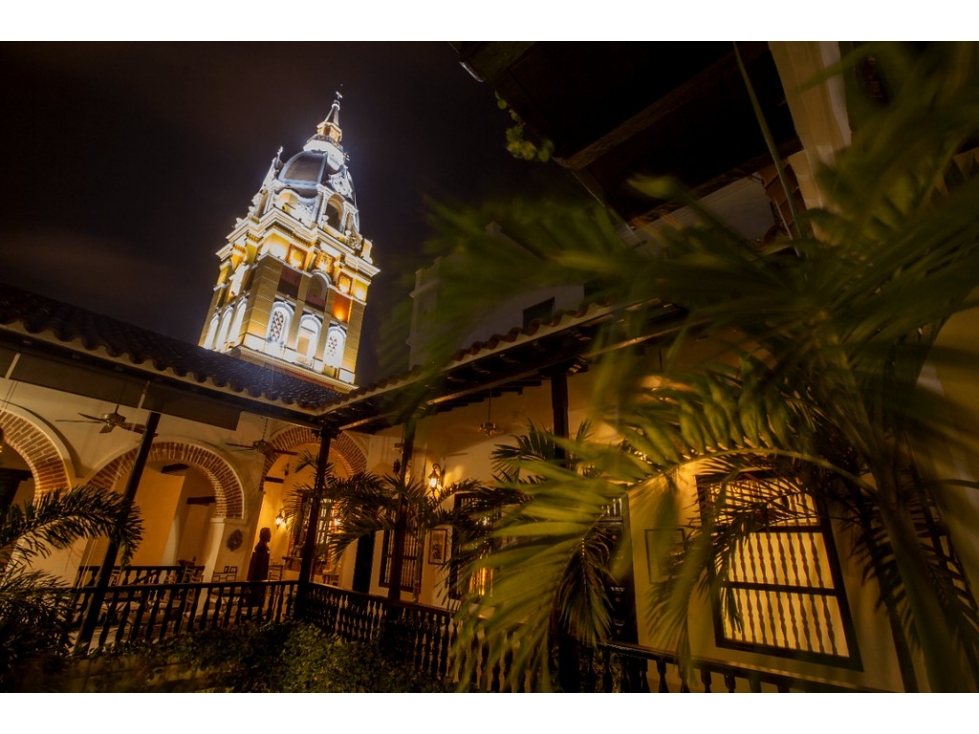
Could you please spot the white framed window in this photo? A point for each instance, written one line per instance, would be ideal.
(279, 324)
(784, 580)
(336, 339)
(309, 334)
(316, 293)
(333, 215)
(212, 332)
(225, 328)
(239, 320)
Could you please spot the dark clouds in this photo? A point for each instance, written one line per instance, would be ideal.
(128, 163)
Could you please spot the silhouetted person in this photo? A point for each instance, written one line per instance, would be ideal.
(258, 567)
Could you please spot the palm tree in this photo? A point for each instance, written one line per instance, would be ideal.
(819, 348)
(32, 603)
(580, 603)
(340, 498)
(578, 607)
(364, 503)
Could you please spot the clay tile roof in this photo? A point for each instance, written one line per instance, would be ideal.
(76, 328)
(557, 321)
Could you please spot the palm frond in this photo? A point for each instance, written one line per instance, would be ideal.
(57, 519)
(33, 603)
(806, 357)
(33, 621)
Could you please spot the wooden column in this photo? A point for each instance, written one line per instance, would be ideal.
(312, 524)
(10, 480)
(112, 552)
(559, 406)
(401, 520)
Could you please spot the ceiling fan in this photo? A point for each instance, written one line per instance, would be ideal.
(109, 421)
(270, 450)
(488, 427)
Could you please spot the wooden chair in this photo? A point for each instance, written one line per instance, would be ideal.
(275, 572)
(223, 595)
(331, 578)
(194, 575)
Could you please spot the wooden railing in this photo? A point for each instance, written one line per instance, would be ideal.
(625, 668)
(154, 612)
(129, 575)
(423, 636)
(420, 635)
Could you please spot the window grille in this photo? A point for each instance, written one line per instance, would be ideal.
(481, 582)
(784, 579)
(409, 561)
(333, 354)
(298, 537)
(277, 327)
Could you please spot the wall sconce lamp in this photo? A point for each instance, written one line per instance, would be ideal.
(280, 519)
(436, 478)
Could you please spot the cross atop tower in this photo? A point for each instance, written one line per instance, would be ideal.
(330, 127)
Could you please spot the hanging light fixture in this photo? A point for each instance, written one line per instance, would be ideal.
(488, 427)
(436, 478)
(280, 519)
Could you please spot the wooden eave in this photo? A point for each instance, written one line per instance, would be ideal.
(508, 368)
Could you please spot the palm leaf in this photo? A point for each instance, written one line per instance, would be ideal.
(57, 519)
(808, 357)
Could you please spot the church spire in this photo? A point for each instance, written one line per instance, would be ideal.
(330, 127)
(302, 232)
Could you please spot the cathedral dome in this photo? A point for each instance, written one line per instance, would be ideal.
(320, 162)
(305, 167)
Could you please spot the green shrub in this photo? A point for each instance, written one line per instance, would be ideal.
(313, 661)
(281, 657)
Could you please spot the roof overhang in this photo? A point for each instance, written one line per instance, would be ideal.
(38, 361)
(521, 359)
(618, 110)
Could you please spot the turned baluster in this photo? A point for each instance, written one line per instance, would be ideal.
(606, 671)
(705, 679)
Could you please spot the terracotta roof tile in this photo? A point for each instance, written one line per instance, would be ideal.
(77, 327)
(557, 321)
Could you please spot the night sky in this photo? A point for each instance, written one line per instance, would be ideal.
(127, 164)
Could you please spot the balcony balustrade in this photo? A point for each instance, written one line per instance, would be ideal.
(420, 636)
(129, 575)
(154, 612)
(423, 637)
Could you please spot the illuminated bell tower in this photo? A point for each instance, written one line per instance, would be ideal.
(294, 275)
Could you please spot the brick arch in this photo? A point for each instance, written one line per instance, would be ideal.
(38, 450)
(228, 492)
(343, 450)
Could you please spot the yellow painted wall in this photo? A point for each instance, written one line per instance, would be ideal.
(188, 535)
(157, 498)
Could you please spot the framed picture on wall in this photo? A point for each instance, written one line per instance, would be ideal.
(438, 546)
